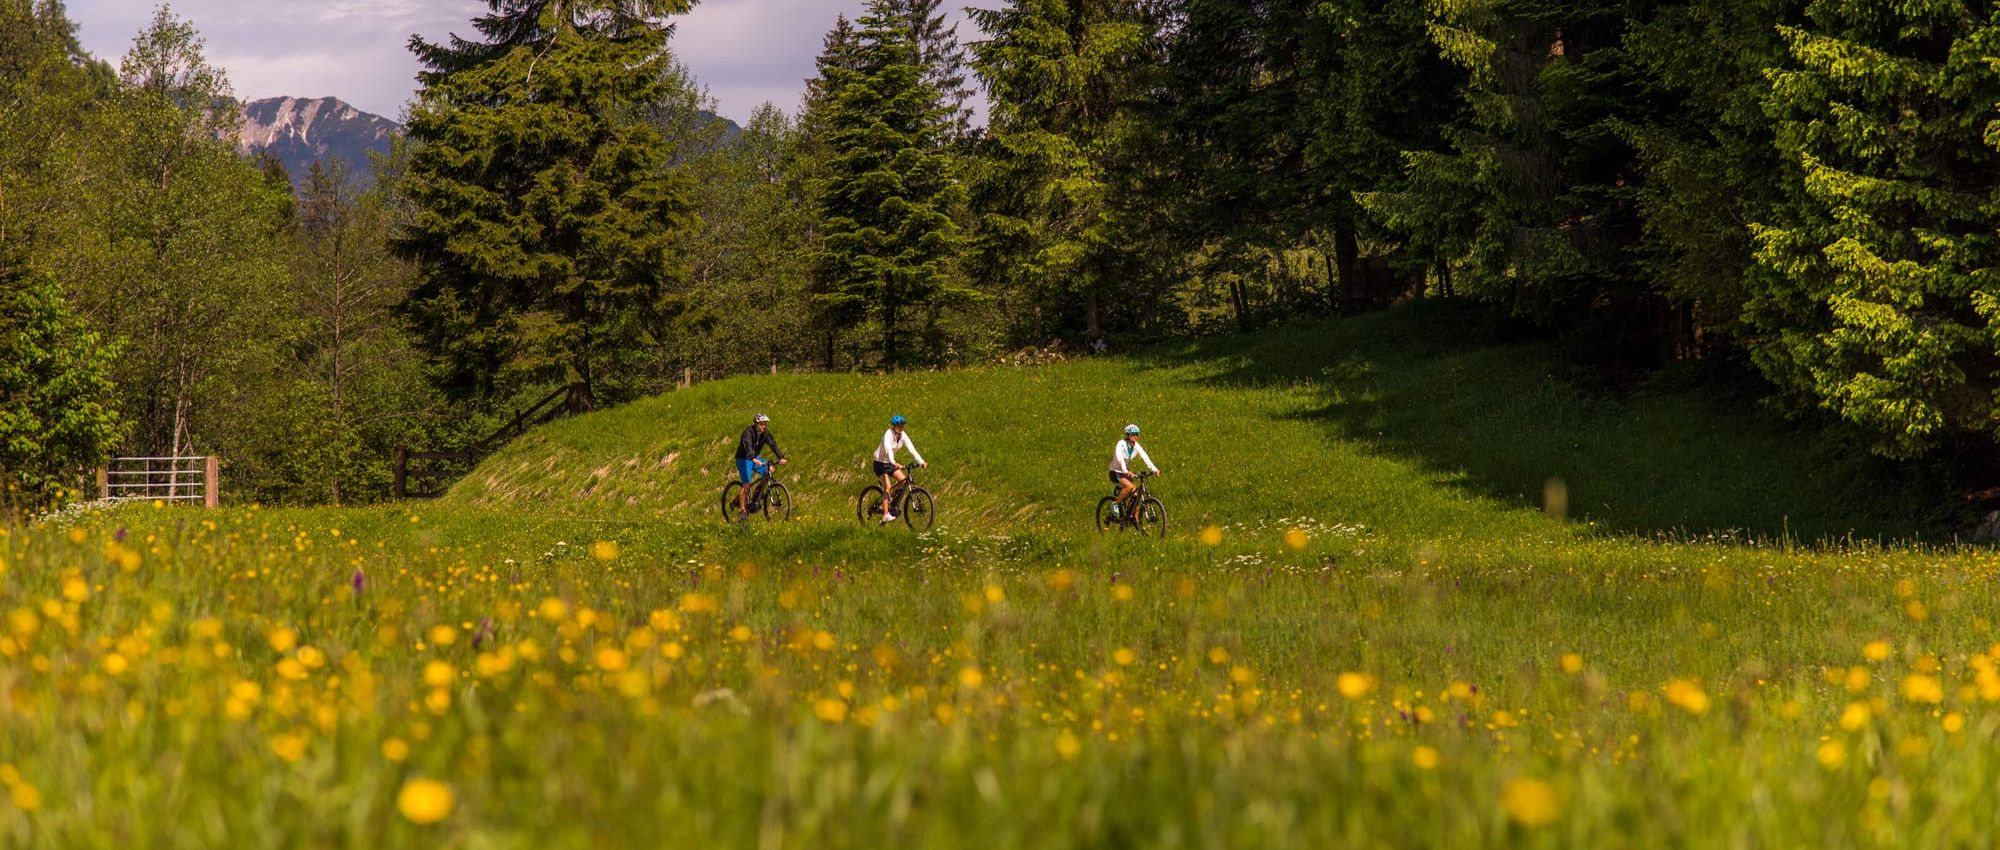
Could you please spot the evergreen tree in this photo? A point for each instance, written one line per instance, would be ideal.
(1878, 297)
(546, 211)
(807, 178)
(1062, 78)
(1709, 160)
(1540, 189)
(888, 191)
(942, 56)
(58, 414)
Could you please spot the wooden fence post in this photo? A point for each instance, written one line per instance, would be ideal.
(399, 488)
(211, 482)
(103, 483)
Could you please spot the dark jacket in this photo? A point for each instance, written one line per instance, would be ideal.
(752, 443)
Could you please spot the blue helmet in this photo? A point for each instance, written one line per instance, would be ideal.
(1132, 430)
(896, 420)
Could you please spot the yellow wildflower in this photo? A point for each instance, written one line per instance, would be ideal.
(425, 801)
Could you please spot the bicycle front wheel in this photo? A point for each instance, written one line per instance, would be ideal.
(1152, 517)
(777, 502)
(729, 504)
(919, 510)
(868, 506)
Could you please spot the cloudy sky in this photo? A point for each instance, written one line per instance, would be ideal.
(745, 51)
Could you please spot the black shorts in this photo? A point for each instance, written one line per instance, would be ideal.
(1119, 477)
(884, 468)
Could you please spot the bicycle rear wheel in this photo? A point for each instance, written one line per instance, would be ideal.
(729, 504)
(1152, 517)
(777, 502)
(868, 506)
(1104, 518)
(919, 510)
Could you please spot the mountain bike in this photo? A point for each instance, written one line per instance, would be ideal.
(913, 504)
(1141, 512)
(768, 496)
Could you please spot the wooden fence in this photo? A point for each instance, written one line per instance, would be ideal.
(166, 479)
(426, 475)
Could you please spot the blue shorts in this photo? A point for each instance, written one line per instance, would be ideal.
(747, 468)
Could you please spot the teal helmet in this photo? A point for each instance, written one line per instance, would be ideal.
(1132, 430)
(896, 421)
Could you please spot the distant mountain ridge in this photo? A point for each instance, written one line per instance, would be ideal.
(300, 131)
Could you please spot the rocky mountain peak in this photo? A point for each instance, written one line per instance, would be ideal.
(300, 131)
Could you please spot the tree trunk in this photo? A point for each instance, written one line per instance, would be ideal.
(1239, 300)
(889, 336)
(1332, 285)
(1090, 318)
(1345, 254)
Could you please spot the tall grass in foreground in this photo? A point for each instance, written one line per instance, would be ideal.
(1342, 642)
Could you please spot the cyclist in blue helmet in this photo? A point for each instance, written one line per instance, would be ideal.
(1122, 454)
(887, 469)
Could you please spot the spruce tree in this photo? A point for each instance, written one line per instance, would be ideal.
(1878, 297)
(943, 57)
(1710, 161)
(888, 191)
(806, 167)
(1539, 194)
(545, 208)
(1062, 78)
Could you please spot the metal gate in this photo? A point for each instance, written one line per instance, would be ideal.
(167, 479)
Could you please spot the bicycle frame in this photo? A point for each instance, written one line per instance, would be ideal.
(1129, 506)
(766, 473)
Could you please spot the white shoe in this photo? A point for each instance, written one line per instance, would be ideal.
(888, 517)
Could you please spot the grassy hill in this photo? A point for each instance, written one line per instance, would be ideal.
(1418, 421)
(1361, 631)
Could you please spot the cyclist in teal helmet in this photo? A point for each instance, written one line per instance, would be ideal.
(886, 467)
(1122, 454)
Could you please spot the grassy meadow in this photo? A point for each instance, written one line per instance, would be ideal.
(1361, 629)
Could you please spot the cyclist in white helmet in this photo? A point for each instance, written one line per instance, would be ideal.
(749, 447)
(1122, 454)
(886, 467)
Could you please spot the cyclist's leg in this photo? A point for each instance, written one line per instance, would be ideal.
(887, 483)
(743, 477)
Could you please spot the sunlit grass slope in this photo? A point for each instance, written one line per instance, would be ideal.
(1361, 632)
(1419, 421)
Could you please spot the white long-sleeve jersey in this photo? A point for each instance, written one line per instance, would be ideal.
(891, 441)
(1122, 454)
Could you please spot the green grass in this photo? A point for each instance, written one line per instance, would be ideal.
(1390, 673)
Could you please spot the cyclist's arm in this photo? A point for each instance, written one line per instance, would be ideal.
(912, 446)
(1149, 461)
(773, 440)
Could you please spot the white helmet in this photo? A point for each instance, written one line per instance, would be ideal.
(762, 418)
(1132, 430)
